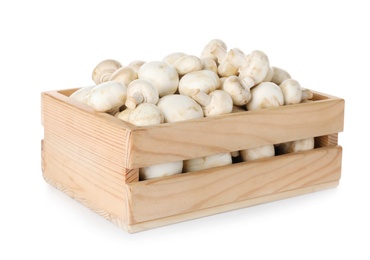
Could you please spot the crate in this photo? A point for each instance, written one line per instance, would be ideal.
(95, 158)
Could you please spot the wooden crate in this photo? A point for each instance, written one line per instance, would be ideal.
(95, 158)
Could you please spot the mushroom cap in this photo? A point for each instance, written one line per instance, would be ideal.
(179, 107)
(269, 75)
(147, 90)
(211, 46)
(292, 91)
(104, 69)
(209, 64)
(136, 64)
(256, 67)
(257, 153)
(205, 80)
(238, 91)
(162, 75)
(107, 96)
(124, 75)
(226, 69)
(187, 63)
(202, 163)
(265, 95)
(160, 170)
(172, 57)
(144, 114)
(279, 75)
(81, 95)
(221, 103)
(296, 146)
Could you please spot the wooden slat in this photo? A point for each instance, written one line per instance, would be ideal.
(191, 192)
(233, 132)
(326, 140)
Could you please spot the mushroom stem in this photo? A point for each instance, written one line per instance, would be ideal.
(237, 58)
(201, 97)
(306, 94)
(135, 99)
(219, 52)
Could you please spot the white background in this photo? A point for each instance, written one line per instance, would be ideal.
(48, 45)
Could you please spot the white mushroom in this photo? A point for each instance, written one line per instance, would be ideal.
(172, 57)
(279, 75)
(162, 75)
(124, 75)
(218, 102)
(256, 68)
(239, 92)
(187, 63)
(265, 95)
(160, 170)
(104, 70)
(296, 146)
(141, 91)
(269, 75)
(293, 92)
(136, 64)
(144, 114)
(81, 95)
(205, 80)
(257, 153)
(236, 58)
(107, 97)
(209, 64)
(179, 107)
(202, 163)
(215, 49)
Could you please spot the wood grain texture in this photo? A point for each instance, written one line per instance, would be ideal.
(233, 132)
(190, 192)
(228, 207)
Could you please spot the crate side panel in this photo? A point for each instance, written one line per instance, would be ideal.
(190, 192)
(233, 132)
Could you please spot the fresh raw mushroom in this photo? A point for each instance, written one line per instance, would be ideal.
(162, 75)
(160, 170)
(187, 63)
(209, 64)
(296, 146)
(205, 80)
(107, 97)
(269, 75)
(279, 75)
(172, 57)
(179, 107)
(81, 95)
(141, 91)
(215, 49)
(257, 153)
(124, 75)
(217, 102)
(202, 163)
(239, 92)
(265, 95)
(136, 64)
(144, 114)
(104, 70)
(256, 68)
(293, 92)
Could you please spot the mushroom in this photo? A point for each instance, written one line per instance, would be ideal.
(239, 92)
(107, 97)
(171, 58)
(136, 64)
(81, 95)
(124, 75)
(162, 75)
(104, 70)
(257, 153)
(293, 92)
(256, 68)
(187, 63)
(179, 107)
(141, 91)
(269, 75)
(265, 95)
(237, 109)
(209, 64)
(279, 75)
(215, 49)
(205, 80)
(144, 114)
(202, 163)
(236, 58)
(218, 102)
(296, 146)
(160, 170)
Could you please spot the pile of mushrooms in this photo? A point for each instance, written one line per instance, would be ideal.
(182, 87)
